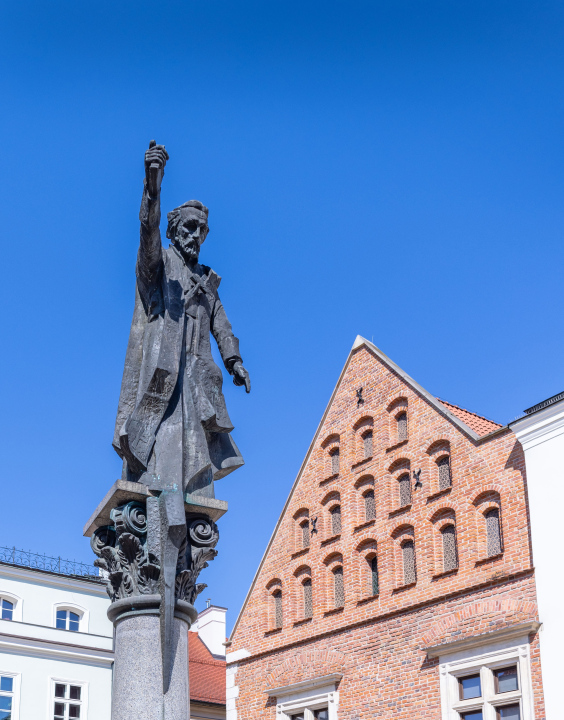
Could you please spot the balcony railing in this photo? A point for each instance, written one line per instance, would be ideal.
(26, 558)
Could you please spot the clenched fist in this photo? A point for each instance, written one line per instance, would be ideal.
(155, 161)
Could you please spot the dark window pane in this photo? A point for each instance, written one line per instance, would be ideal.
(278, 609)
(493, 533)
(7, 610)
(299, 716)
(61, 624)
(60, 690)
(374, 575)
(59, 709)
(369, 505)
(409, 572)
(339, 587)
(404, 490)
(73, 625)
(509, 712)
(402, 427)
(74, 711)
(336, 519)
(5, 703)
(444, 473)
(367, 444)
(450, 556)
(474, 715)
(308, 599)
(74, 617)
(61, 614)
(321, 714)
(75, 692)
(506, 680)
(335, 461)
(6, 684)
(5, 715)
(305, 534)
(470, 687)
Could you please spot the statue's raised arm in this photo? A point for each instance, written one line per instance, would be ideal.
(150, 257)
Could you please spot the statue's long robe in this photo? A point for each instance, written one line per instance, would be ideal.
(172, 427)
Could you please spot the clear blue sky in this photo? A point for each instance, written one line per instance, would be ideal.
(393, 169)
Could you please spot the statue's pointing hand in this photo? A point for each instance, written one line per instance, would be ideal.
(155, 161)
(241, 376)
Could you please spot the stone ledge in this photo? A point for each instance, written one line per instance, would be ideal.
(123, 491)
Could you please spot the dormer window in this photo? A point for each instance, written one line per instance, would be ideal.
(6, 609)
(68, 620)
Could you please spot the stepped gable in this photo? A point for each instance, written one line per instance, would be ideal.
(479, 424)
(207, 674)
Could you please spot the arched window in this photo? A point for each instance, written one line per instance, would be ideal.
(450, 555)
(67, 620)
(369, 505)
(367, 444)
(444, 473)
(373, 562)
(409, 571)
(404, 489)
(335, 519)
(6, 609)
(335, 457)
(277, 600)
(402, 426)
(338, 587)
(305, 533)
(493, 532)
(308, 598)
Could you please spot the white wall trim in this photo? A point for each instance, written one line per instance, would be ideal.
(237, 655)
(312, 684)
(480, 640)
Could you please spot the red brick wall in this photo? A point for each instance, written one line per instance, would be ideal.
(382, 636)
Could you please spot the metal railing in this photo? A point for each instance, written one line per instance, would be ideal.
(26, 558)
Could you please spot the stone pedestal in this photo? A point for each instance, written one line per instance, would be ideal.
(151, 549)
(137, 689)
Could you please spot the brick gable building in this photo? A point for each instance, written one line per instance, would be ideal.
(398, 582)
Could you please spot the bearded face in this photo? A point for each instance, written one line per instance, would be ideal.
(190, 233)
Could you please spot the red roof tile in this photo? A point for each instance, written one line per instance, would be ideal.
(479, 424)
(207, 674)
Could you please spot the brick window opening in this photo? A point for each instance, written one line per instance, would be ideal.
(308, 598)
(367, 444)
(335, 458)
(374, 582)
(408, 553)
(305, 534)
(450, 555)
(336, 520)
(277, 598)
(369, 505)
(493, 532)
(404, 490)
(338, 587)
(402, 426)
(444, 473)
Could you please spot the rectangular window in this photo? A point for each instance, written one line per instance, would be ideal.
(509, 712)
(369, 505)
(339, 587)
(404, 490)
(68, 701)
(305, 534)
(506, 680)
(6, 609)
(336, 520)
(470, 687)
(367, 443)
(6, 696)
(308, 599)
(321, 714)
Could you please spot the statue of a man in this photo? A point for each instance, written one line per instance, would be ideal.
(172, 428)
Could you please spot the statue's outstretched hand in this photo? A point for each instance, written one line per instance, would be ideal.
(155, 161)
(241, 376)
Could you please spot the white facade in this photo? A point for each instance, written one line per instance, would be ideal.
(42, 664)
(210, 626)
(541, 434)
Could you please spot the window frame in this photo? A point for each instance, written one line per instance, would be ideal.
(17, 603)
(83, 616)
(83, 702)
(15, 694)
(317, 694)
(485, 659)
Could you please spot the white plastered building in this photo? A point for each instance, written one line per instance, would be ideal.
(56, 646)
(541, 433)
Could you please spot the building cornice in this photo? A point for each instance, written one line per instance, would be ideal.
(21, 645)
(540, 426)
(44, 577)
(507, 633)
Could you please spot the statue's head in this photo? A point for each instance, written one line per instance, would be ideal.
(187, 228)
